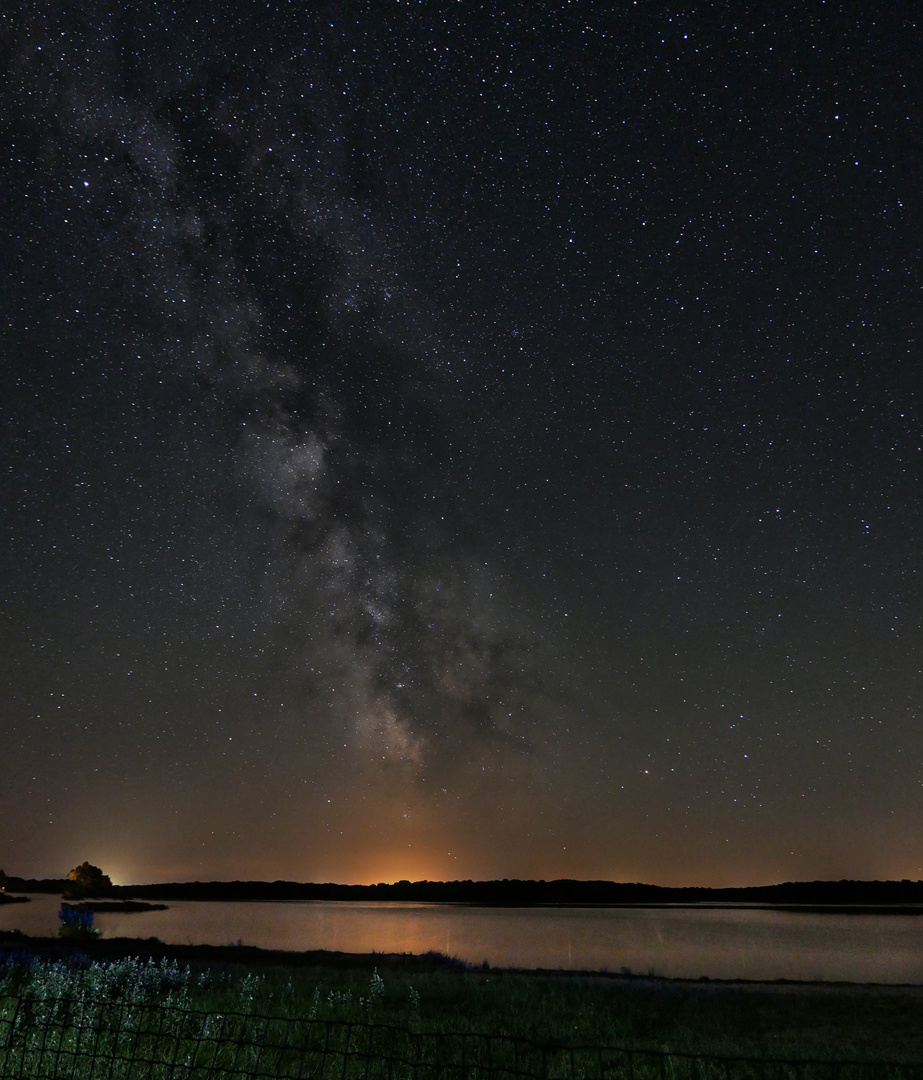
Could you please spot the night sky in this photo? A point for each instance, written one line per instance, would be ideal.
(462, 440)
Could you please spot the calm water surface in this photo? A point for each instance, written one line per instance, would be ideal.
(721, 943)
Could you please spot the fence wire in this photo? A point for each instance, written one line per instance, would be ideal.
(112, 1040)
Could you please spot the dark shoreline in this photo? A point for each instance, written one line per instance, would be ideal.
(129, 905)
(13, 941)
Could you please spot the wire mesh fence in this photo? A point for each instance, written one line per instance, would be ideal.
(111, 1040)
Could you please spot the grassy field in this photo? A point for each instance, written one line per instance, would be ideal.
(772, 1020)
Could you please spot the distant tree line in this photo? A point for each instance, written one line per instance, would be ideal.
(89, 880)
(519, 893)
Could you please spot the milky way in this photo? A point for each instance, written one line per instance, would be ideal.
(454, 443)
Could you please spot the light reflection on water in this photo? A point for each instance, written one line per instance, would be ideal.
(720, 943)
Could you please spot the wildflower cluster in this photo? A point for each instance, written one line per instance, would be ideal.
(376, 991)
(85, 983)
(77, 921)
(248, 989)
(130, 980)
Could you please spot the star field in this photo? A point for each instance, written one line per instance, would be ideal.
(461, 441)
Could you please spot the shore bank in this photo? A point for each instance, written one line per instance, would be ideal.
(779, 1018)
(430, 962)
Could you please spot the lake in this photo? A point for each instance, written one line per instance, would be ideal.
(677, 942)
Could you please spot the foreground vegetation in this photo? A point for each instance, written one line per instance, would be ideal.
(773, 1021)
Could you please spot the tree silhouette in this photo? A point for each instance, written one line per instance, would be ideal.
(88, 878)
